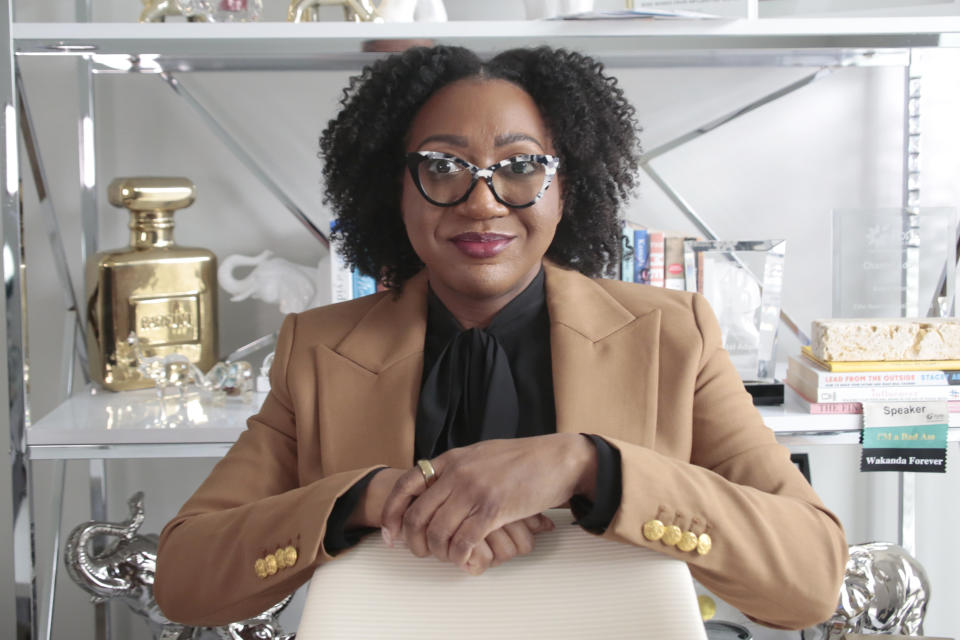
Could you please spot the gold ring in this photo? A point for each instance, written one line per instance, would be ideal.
(429, 473)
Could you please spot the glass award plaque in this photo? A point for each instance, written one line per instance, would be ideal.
(743, 281)
(888, 263)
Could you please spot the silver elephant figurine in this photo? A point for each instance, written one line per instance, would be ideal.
(885, 591)
(125, 570)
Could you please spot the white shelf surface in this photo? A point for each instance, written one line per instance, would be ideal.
(102, 424)
(280, 39)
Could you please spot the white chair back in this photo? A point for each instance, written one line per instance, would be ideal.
(573, 585)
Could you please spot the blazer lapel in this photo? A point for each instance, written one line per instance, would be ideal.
(369, 384)
(605, 360)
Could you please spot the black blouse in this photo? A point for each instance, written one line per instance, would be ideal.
(483, 384)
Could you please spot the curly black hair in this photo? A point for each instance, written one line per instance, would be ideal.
(592, 125)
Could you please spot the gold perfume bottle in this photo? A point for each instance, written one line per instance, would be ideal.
(163, 293)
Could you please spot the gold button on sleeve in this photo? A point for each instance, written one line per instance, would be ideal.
(260, 568)
(688, 541)
(652, 530)
(280, 558)
(271, 565)
(671, 535)
(290, 556)
(704, 544)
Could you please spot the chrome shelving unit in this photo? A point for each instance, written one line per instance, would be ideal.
(97, 426)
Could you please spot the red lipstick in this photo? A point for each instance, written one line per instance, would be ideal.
(481, 245)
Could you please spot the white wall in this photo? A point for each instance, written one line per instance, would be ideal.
(776, 173)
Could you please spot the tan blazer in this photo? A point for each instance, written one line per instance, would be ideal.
(640, 366)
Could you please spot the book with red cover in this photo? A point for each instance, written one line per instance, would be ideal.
(656, 258)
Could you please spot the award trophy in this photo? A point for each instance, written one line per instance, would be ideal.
(742, 280)
(889, 263)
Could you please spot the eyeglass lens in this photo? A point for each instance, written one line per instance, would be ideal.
(516, 183)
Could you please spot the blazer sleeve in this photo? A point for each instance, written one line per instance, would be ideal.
(249, 508)
(777, 553)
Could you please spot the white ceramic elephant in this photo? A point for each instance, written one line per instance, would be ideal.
(274, 280)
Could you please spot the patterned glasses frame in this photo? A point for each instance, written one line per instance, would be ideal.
(548, 162)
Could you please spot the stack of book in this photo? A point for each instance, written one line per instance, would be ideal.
(817, 386)
(653, 257)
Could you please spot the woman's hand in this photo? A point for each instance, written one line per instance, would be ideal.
(369, 509)
(511, 540)
(483, 487)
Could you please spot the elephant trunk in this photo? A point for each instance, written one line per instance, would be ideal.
(95, 573)
(239, 289)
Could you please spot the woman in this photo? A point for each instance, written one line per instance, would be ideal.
(484, 194)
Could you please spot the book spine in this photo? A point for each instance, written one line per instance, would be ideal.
(626, 253)
(887, 394)
(341, 284)
(854, 379)
(673, 263)
(656, 258)
(795, 399)
(362, 285)
(834, 408)
(691, 279)
(641, 256)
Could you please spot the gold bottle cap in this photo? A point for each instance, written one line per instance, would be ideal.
(152, 194)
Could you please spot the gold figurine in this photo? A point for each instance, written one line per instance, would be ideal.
(163, 293)
(353, 10)
(159, 10)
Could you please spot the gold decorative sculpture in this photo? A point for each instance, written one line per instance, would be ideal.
(353, 10)
(159, 10)
(371, 10)
(164, 293)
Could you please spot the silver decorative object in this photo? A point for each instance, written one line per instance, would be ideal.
(237, 10)
(262, 627)
(885, 591)
(230, 378)
(175, 372)
(170, 371)
(125, 570)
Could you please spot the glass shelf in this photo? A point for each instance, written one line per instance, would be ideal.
(102, 424)
(340, 45)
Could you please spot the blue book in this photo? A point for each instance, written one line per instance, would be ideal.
(363, 285)
(641, 256)
(626, 252)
